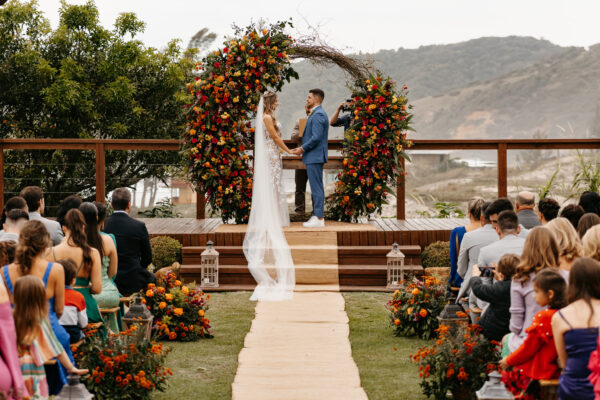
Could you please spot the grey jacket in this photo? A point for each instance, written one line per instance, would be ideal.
(53, 227)
(493, 252)
(470, 247)
(528, 218)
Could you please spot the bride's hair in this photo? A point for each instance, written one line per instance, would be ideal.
(269, 99)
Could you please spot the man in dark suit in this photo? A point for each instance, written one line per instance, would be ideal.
(133, 245)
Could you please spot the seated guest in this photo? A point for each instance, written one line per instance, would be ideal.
(569, 244)
(586, 222)
(88, 279)
(590, 202)
(524, 208)
(547, 210)
(133, 245)
(591, 243)
(575, 330)
(74, 317)
(540, 252)
(456, 236)
(573, 213)
(69, 203)
(15, 219)
(469, 251)
(499, 205)
(507, 228)
(536, 358)
(11, 380)
(34, 196)
(7, 252)
(494, 321)
(109, 297)
(16, 202)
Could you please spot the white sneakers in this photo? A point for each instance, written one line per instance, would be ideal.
(314, 222)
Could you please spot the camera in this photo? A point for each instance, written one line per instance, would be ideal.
(487, 272)
(346, 106)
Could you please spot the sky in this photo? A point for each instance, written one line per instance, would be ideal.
(362, 26)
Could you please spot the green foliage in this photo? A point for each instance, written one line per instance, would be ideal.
(444, 210)
(162, 209)
(545, 190)
(415, 307)
(82, 80)
(165, 251)
(437, 254)
(587, 176)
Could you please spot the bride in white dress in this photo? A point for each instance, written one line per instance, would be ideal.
(265, 246)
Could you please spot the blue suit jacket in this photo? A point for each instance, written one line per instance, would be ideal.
(314, 139)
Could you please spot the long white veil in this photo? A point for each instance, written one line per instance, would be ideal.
(265, 246)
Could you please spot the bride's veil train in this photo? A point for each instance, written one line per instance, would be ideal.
(265, 246)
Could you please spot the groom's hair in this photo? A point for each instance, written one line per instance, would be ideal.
(318, 92)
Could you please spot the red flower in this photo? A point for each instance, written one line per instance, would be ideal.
(226, 50)
(280, 55)
(381, 99)
(217, 65)
(214, 140)
(194, 140)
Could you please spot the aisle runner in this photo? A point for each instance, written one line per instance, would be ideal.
(298, 349)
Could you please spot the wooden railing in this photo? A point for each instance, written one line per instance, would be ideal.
(100, 146)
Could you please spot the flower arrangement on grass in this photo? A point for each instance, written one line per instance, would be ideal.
(459, 361)
(373, 147)
(179, 311)
(121, 367)
(416, 306)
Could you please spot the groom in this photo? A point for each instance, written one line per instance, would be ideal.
(314, 153)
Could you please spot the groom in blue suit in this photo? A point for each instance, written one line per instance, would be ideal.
(314, 153)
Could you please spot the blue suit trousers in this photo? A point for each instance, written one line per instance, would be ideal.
(315, 178)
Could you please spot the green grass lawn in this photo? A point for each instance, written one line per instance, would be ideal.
(205, 369)
(385, 373)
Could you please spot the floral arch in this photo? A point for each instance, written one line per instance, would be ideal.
(226, 93)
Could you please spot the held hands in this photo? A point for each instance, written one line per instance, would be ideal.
(297, 151)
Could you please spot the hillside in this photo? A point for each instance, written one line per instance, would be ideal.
(428, 71)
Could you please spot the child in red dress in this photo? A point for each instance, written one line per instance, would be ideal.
(537, 358)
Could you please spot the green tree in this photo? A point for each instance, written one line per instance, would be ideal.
(85, 81)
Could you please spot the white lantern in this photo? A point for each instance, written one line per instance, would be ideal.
(209, 274)
(395, 267)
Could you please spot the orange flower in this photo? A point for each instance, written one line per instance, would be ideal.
(415, 292)
(177, 282)
(462, 375)
(151, 285)
(449, 373)
(172, 336)
(149, 293)
(201, 313)
(162, 305)
(169, 296)
(423, 312)
(178, 311)
(397, 322)
(409, 310)
(185, 289)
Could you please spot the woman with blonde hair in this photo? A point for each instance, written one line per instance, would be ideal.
(591, 243)
(569, 244)
(456, 236)
(540, 252)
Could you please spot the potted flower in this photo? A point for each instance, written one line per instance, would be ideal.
(415, 307)
(458, 362)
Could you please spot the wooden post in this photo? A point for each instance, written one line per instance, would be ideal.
(100, 173)
(200, 205)
(1, 177)
(502, 171)
(401, 192)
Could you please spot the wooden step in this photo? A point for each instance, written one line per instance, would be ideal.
(342, 288)
(371, 255)
(320, 238)
(234, 255)
(370, 275)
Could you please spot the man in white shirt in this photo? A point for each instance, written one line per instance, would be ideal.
(34, 196)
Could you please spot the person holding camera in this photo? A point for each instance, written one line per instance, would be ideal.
(346, 119)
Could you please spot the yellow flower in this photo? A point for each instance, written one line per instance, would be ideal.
(185, 289)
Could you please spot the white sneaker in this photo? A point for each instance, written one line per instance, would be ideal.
(314, 222)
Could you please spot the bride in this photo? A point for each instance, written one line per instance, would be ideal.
(265, 245)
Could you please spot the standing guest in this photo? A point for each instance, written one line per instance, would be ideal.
(133, 245)
(547, 210)
(35, 340)
(29, 260)
(34, 196)
(591, 243)
(536, 358)
(590, 202)
(494, 321)
(15, 219)
(575, 330)
(540, 252)
(300, 175)
(7, 252)
(569, 244)
(12, 385)
(74, 317)
(69, 203)
(109, 297)
(88, 279)
(573, 213)
(456, 237)
(524, 207)
(15, 202)
(586, 222)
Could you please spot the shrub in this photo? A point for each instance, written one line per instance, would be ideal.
(436, 254)
(415, 307)
(179, 312)
(121, 368)
(165, 251)
(459, 361)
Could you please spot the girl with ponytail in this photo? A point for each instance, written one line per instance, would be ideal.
(75, 246)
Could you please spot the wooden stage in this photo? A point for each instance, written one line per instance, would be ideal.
(349, 255)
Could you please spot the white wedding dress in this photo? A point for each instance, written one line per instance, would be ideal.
(265, 246)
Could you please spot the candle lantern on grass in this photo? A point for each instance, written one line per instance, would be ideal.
(140, 317)
(209, 274)
(395, 267)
